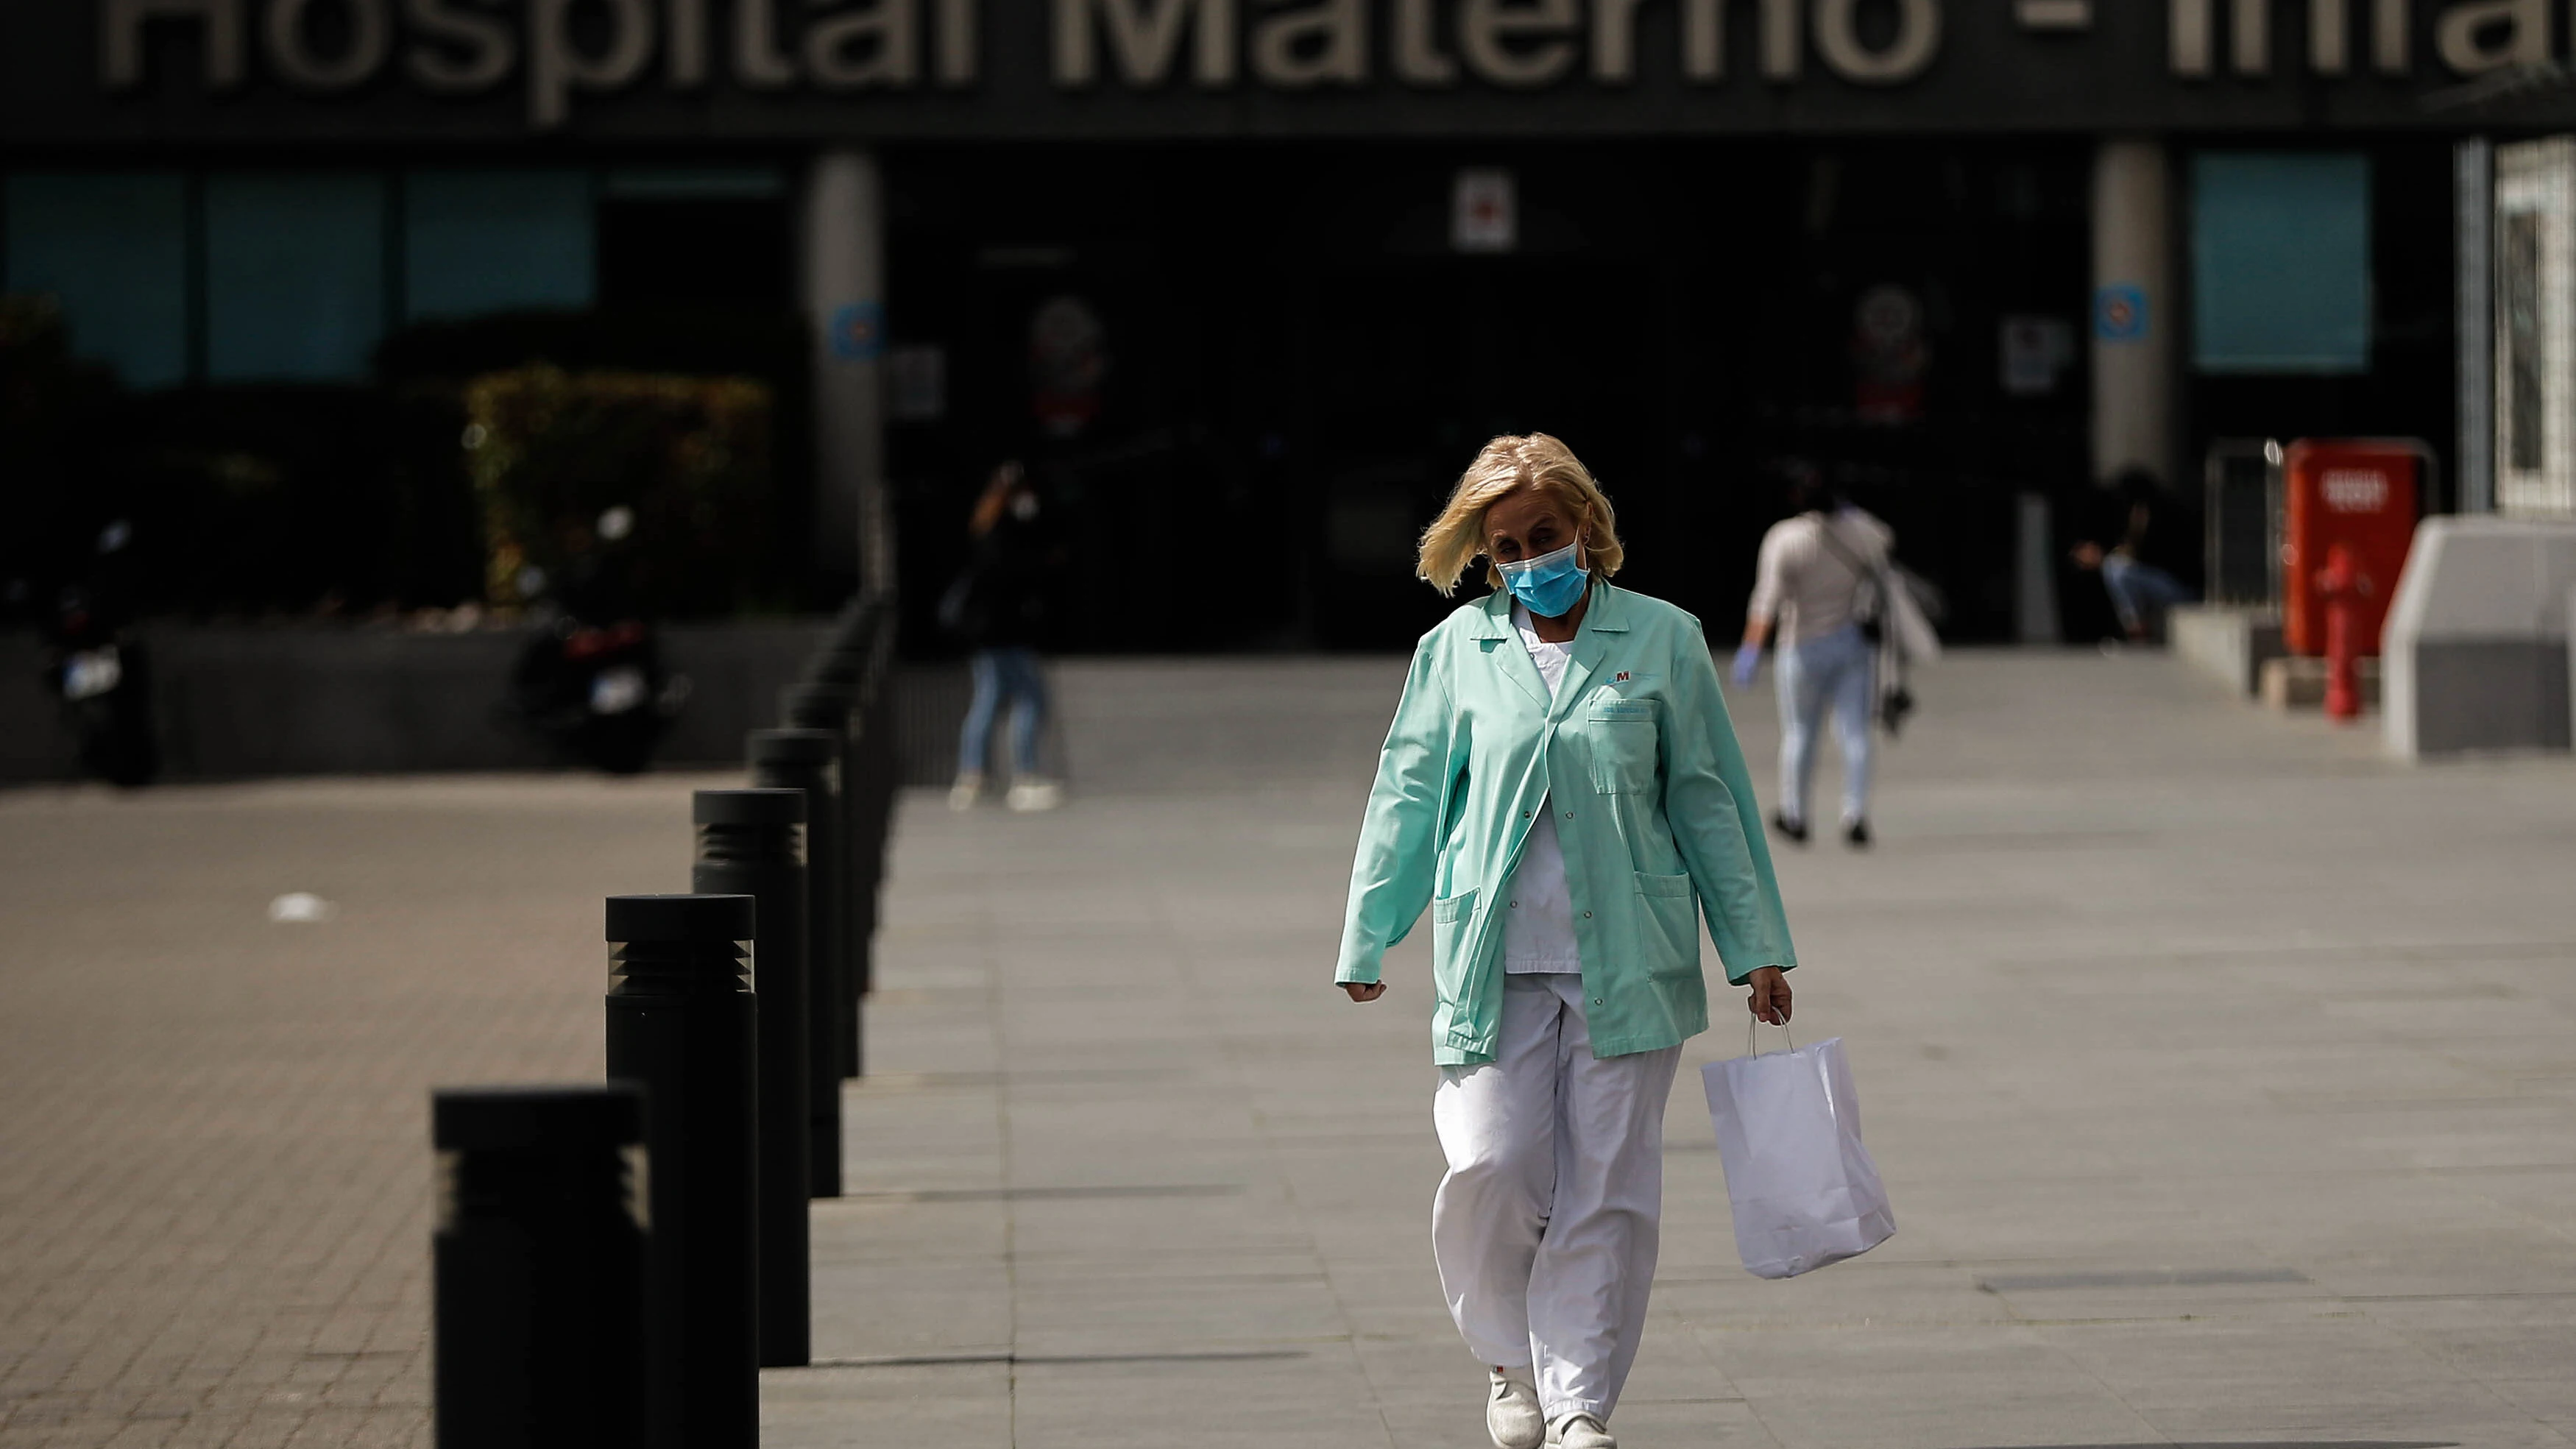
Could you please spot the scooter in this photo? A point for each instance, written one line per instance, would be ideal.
(598, 692)
(100, 673)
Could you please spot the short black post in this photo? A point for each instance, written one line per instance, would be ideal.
(809, 760)
(878, 765)
(817, 704)
(752, 843)
(538, 1265)
(682, 1022)
(859, 659)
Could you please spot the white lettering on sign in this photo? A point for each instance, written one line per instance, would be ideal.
(2354, 490)
(290, 54)
(465, 47)
(2054, 14)
(2192, 34)
(1907, 54)
(1144, 38)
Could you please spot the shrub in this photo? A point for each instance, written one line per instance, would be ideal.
(52, 411)
(550, 452)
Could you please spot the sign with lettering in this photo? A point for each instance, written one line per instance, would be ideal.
(2354, 490)
(1484, 210)
(858, 331)
(2120, 312)
(439, 71)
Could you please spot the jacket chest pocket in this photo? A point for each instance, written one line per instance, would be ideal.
(1623, 739)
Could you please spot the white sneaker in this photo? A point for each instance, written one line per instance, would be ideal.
(1511, 1411)
(1581, 1431)
(968, 789)
(1032, 794)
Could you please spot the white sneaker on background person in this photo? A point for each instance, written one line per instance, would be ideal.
(968, 789)
(1030, 795)
(1511, 1410)
(1581, 1431)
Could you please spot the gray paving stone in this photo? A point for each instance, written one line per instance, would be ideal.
(2222, 1073)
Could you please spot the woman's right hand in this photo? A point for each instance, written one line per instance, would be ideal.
(1365, 990)
(1769, 1002)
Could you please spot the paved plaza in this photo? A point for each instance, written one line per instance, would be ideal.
(2223, 1076)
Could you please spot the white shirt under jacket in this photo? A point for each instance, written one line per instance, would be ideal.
(1538, 925)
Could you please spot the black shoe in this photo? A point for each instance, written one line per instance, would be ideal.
(1856, 835)
(1795, 834)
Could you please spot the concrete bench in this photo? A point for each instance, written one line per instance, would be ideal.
(2476, 646)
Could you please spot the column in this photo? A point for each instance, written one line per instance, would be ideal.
(2135, 316)
(2475, 221)
(844, 285)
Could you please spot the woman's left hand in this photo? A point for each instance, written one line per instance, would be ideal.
(1769, 1002)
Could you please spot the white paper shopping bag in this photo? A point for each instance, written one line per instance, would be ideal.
(1804, 1190)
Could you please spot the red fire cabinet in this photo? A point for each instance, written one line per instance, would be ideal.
(2360, 493)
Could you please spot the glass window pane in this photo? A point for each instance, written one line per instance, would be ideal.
(114, 249)
(694, 183)
(490, 241)
(2526, 375)
(295, 275)
(2281, 263)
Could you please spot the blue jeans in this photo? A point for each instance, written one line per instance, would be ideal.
(1834, 671)
(2139, 591)
(1006, 674)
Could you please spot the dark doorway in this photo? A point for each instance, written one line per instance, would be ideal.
(716, 252)
(1412, 365)
(1300, 363)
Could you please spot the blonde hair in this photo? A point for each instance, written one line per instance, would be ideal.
(1506, 466)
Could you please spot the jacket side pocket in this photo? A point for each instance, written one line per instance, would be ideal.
(1669, 928)
(1453, 922)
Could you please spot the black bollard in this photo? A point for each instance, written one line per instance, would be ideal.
(817, 704)
(859, 659)
(751, 842)
(809, 760)
(866, 846)
(538, 1266)
(682, 1022)
(879, 765)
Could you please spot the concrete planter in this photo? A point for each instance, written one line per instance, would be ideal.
(2477, 643)
(240, 701)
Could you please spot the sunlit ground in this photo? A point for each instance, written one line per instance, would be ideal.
(2222, 1075)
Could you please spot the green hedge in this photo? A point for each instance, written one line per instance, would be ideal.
(551, 451)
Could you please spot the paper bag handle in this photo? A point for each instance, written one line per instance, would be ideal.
(1755, 1023)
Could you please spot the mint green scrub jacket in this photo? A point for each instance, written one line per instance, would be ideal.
(1654, 809)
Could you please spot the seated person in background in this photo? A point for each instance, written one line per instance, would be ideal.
(2141, 592)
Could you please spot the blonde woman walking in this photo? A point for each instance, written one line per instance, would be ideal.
(1562, 789)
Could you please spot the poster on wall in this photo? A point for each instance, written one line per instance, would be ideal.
(1889, 355)
(1484, 211)
(917, 383)
(1068, 362)
(2035, 353)
(2535, 329)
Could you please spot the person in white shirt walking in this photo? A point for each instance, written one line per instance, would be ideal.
(1815, 583)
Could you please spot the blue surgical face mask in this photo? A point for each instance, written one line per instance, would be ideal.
(1551, 584)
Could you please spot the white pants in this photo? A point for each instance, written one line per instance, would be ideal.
(1545, 1228)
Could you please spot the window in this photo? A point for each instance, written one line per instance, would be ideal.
(2281, 263)
(493, 241)
(114, 249)
(295, 275)
(2526, 370)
